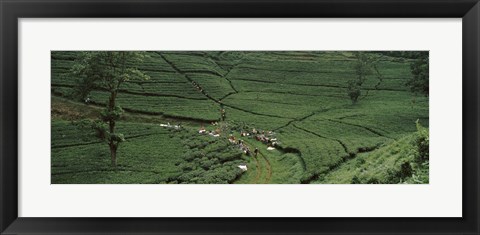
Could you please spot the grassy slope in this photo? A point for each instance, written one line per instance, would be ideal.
(300, 95)
(383, 165)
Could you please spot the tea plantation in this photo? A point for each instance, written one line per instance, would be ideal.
(297, 98)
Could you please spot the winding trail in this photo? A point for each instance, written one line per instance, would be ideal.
(210, 97)
(258, 171)
(265, 161)
(269, 169)
(186, 77)
(263, 167)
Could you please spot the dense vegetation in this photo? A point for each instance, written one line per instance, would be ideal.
(303, 98)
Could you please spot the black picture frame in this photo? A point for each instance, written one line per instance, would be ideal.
(11, 11)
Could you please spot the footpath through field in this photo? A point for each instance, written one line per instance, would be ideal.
(266, 168)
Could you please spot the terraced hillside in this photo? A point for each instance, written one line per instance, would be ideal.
(297, 98)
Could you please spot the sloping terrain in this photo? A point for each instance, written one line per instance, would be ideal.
(300, 97)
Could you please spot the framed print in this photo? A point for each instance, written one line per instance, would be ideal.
(239, 117)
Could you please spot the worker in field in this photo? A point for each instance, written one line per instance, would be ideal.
(224, 115)
(246, 150)
(256, 152)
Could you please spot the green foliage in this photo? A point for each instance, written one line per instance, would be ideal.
(363, 66)
(355, 180)
(419, 82)
(366, 64)
(108, 67)
(402, 161)
(147, 156)
(422, 143)
(108, 70)
(354, 90)
(421, 174)
(420, 163)
(208, 160)
(100, 129)
(108, 115)
(298, 95)
(400, 54)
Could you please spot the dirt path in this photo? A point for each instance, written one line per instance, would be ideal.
(268, 168)
(258, 171)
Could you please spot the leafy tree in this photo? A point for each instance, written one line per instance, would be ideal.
(353, 90)
(107, 70)
(365, 65)
(419, 83)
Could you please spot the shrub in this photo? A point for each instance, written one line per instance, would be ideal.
(353, 91)
(360, 161)
(356, 180)
(405, 170)
(422, 143)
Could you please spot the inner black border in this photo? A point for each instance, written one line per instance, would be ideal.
(12, 10)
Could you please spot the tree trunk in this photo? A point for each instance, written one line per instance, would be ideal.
(113, 153)
(111, 124)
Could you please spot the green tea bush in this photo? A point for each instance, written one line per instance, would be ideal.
(299, 95)
(422, 143)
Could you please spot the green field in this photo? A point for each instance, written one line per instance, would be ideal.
(298, 96)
